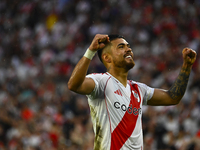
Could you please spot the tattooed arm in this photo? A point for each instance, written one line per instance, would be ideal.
(177, 90)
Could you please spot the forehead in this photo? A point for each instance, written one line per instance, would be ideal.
(118, 41)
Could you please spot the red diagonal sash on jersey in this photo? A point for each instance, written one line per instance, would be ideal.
(127, 125)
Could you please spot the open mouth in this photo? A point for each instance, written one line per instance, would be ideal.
(128, 56)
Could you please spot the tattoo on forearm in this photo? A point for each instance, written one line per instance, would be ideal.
(177, 90)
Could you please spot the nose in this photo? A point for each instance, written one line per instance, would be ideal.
(128, 49)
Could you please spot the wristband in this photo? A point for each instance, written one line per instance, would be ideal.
(89, 54)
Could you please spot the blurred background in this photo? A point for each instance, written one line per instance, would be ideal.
(42, 40)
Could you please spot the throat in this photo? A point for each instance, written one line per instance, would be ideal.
(122, 78)
(122, 81)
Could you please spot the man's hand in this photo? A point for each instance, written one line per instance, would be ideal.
(189, 56)
(99, 42)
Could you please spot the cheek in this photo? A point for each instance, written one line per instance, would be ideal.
(118, 54)
(117, 57)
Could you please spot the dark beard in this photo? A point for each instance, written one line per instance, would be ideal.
(124, 64)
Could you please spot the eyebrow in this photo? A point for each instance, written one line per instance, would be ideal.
(123, 44)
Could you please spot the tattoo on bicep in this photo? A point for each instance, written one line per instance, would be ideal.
(177, 90)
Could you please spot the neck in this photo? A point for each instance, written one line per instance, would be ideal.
(120, 75)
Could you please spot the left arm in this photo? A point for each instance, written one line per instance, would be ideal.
(177, 90)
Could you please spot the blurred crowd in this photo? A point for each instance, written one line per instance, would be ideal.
(42, 40)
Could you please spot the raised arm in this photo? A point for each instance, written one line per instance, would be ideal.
(78, 82)
(177, 90)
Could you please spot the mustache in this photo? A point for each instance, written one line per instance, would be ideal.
(128, 53)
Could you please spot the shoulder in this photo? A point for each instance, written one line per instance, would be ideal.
(100, 80)
(144, 89)
(139, 84)
(98, 76)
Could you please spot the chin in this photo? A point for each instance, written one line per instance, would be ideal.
(124, 64)
(130, 65)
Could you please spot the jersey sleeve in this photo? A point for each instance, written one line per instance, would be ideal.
(98, 90)
(147, 91)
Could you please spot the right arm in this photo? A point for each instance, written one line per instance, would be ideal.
(78, 82)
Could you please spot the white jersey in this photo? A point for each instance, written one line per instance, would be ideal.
(116, 112)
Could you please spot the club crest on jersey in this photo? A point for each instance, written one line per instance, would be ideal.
(136, 95)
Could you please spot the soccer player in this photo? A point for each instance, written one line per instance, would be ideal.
(116, 102)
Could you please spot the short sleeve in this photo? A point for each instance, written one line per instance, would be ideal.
(148, 92)
(98, 91)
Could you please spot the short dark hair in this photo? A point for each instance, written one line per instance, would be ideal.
(111, 37)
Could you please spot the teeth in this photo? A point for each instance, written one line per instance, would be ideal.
(128, 56)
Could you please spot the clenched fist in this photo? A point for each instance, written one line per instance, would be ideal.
(189, 56)
(99, 42)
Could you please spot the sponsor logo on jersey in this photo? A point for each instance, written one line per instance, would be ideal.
(129, 109)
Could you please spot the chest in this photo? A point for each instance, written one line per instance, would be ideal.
(124, 99)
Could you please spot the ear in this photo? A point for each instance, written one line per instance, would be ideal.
(106, 58)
